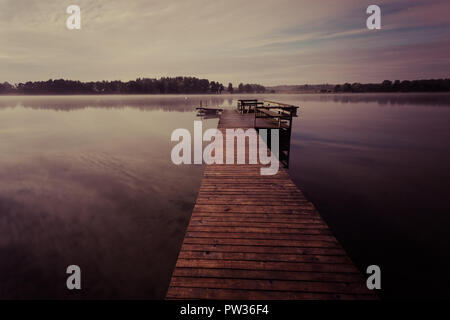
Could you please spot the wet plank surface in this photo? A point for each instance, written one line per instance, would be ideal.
(257, 237)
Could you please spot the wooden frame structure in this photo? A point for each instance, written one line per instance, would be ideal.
(277, 115)
(248, 105)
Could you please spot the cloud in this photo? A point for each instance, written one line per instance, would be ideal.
(265, 41)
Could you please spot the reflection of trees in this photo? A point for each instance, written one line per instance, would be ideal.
(431, 99)
(148, 102)
(190, 102)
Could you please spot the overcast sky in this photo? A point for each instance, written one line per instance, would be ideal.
(258, 41)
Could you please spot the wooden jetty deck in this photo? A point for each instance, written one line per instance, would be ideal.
(257, 237)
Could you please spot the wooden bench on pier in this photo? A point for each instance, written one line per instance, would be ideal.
(248, 106)
(279, 114)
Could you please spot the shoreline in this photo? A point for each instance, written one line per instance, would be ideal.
(222, 94)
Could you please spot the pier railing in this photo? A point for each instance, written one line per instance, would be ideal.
(272, 115)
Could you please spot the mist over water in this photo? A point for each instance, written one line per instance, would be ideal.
(88, 180)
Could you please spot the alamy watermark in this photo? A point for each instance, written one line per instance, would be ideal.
(373, 22)
(374, 280)
(73, 22)
(239, 144)
(73, 281)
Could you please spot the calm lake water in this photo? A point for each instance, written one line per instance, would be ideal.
(89, 181)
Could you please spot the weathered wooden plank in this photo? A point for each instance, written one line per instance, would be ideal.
(261, 218)
(267, 202)
(254, 235)
(266, 242)
(233, 294)
(265, 265)
(262, 231)
(270, 285)
(285, 226)
(186, 254)
(257, 209)
(256, 218)
(271, 275)
(263, 249)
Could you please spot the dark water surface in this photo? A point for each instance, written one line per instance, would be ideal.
(377, 168)
(88, 181)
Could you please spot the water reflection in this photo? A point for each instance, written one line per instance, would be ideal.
(188, 103)
(376, 167)
(424, 99)
(178, 103)
(95, 187)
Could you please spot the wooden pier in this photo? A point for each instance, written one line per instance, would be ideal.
(257, 237)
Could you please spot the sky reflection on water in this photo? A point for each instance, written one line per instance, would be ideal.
(88, 180)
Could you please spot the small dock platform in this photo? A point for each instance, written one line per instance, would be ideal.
(257, 237)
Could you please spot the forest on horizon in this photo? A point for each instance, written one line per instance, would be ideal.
(192, 85)
(166, 85)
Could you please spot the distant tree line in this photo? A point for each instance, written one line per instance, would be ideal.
(176, 85)
(433, 85)
(247, 88)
